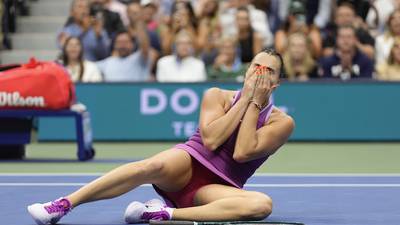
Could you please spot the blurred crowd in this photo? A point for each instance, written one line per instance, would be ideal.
(9, 9)
(215, 40)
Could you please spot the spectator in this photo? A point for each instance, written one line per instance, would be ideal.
(111, 20)
(384, 42)
(296, 22)
(8, 22)
(299, 64)
(209, 30)
(258, 18)
(271, 8)
(318, 12)
(181, 66)
(125, 65)
(346, 16)
(149, 10)
(72, 58)
(135, 14)
(1, 26)
(390, 69)
(89, 29)
(250, 41)
(361, 7)
(117, 7)
(380, 12)
(182, 18)
(348, 61)
(227, 65)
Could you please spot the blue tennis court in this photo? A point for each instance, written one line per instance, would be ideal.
(311, 199)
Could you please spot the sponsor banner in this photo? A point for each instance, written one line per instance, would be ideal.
(14, 99)
(157, 112)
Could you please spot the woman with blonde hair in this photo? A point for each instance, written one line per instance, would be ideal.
(390, 69)
(384, 42)
(298, 62)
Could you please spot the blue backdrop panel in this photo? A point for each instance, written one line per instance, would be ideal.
(151, 111)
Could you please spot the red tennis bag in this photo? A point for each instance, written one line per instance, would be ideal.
(36, 85)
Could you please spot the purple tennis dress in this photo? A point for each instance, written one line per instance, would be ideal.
(221, 161)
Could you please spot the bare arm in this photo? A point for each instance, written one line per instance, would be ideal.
(367, 49)
(217, 120)
(280, 41)
(215, 125)
(252, 143)
(144, 42)
(316, 42)
(203, 32)
(258, 43)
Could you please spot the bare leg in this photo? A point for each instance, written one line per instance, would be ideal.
(219, 202)
(159, 169)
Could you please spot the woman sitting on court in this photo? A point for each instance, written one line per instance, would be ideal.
(202, 179)
(81, 70)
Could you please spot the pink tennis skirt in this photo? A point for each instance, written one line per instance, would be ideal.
(201, 176)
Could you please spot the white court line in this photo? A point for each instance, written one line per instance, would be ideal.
(49, 174)
(319, 185)
(255, 175)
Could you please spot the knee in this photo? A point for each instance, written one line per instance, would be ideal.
(258, 207)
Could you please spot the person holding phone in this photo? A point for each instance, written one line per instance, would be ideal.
(296, 23)
(89, 29)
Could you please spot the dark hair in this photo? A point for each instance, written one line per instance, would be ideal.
(121, 32)
(213, 13)
(245, 9)
(64, 56)
(272, 52)
(347, 4)
(189, 7)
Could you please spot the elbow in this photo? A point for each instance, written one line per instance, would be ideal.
(210, 144)
(240, 157)
(244, 154)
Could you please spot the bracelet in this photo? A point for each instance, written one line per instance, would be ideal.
(258, 106)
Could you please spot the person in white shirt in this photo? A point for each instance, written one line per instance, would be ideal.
(380, 12)
(125, 64)
(72, 58)
(181, 66)
(384, 42)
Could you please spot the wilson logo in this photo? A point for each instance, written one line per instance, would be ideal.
(15, 99)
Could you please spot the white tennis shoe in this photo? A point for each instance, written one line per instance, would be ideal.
(49, 212)
(155, 209)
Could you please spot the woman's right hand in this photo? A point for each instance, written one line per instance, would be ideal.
(249, 85)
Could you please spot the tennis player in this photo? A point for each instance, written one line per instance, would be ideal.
(202, 179)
